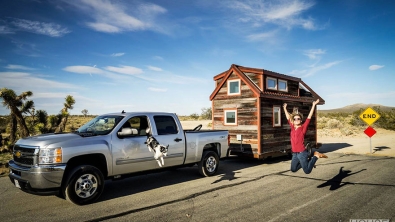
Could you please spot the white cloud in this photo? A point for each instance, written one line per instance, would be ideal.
(129, 70)
(20, 67)
(26, 81)
(314, 70)
(264, 36)
(375, 67)
(157, 89)
(42, 28)
(6, 30)
(286, 13)
(153, 68)
(83, 69)
(314, 53)
(114, 17)
(118, 54)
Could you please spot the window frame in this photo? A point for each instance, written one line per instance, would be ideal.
(286, 85)
(168, 119)
(239, 84)
(276, 111)
(267, 83)
(226, 119)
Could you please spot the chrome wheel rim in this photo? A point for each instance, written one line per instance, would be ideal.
(86, 185)
(211, 164)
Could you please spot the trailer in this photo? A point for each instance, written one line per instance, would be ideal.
(248, 103)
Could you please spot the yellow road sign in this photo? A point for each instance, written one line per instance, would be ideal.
(369, 116)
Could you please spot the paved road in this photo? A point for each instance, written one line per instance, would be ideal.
(342, 187)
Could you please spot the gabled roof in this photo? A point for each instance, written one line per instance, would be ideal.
(240, 72)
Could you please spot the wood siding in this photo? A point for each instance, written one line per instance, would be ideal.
(247, 115)
(254, 106)
(256, 79)
(278, 138)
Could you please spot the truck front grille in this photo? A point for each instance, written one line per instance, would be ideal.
(25, 155)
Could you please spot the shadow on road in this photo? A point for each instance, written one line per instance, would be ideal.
(380, 148)
(329, 147)
(336, 182)
(228, 170)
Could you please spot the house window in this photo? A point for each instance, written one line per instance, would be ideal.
(271, 83)
(282, 85)
(230, 117)
(276, 116)
(234, 87)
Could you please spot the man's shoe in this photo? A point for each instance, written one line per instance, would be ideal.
(320, 155)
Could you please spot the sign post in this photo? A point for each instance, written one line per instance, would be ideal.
(369, 116)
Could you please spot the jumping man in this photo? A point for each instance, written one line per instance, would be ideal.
(298, 131)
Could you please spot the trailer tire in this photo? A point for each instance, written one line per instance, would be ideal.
(209, 163)
(85, 185)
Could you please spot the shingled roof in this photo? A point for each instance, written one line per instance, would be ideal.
(241, 71)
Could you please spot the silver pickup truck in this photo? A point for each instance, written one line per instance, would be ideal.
(111, 146)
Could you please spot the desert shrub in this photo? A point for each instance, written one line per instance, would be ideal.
(347, 131)
(321, 122)
(334, 124)
(194, 116)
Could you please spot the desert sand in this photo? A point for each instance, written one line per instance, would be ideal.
(382, 143)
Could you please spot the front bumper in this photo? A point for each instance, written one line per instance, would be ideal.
(37, 178)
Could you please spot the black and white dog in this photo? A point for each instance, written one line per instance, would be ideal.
(154, 146)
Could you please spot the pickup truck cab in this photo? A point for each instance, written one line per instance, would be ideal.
(111, 146)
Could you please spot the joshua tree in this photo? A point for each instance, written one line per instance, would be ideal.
(84, 112)
(13, 102)
(42, 116)
(42, 119)
(70, 101)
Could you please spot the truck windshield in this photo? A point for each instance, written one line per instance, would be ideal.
(100, 125)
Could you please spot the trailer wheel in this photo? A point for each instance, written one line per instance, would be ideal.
(85, 185)
(209, 163)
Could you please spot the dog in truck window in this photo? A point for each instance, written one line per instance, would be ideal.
(159, 150)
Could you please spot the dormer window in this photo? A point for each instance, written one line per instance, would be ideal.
(271, 83)
(234, 87)
(282, 85)
(276, 84)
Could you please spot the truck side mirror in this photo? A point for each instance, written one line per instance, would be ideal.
(127, 132)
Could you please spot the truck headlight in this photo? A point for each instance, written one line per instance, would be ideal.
(52, 155)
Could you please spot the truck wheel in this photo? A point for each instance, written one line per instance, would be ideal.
(85, 185)
(209, 164)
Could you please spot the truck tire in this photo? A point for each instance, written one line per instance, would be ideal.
(209, 163)
(85, 185)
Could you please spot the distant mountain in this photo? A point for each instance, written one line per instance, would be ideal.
(356, 107)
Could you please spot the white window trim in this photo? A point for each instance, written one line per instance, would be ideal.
(235, 80)
(225, 119)
(267, 83)
(278, 115)
(286, 84)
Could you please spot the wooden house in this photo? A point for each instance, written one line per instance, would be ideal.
(249, 103)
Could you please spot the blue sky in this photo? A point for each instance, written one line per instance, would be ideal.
(162, 55)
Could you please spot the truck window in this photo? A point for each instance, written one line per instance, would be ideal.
(138, 122)
(165, 125)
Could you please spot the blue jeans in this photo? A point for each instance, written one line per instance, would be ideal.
(300, 160)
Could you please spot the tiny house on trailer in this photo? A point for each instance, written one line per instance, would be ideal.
(248, 102)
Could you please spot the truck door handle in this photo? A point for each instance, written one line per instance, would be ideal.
(177, 139)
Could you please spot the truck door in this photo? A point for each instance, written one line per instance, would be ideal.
(130, 154)
(168, 133)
